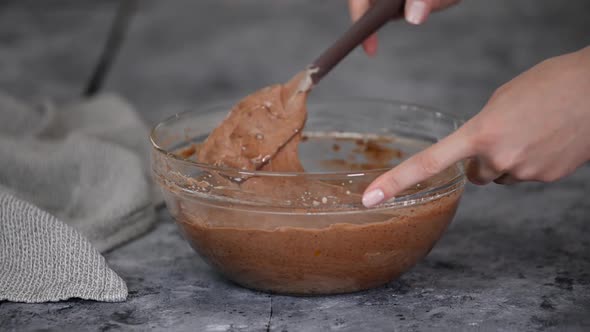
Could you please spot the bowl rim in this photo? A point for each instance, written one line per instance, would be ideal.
(413, 107)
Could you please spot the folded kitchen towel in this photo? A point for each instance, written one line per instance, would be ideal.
(73, 184)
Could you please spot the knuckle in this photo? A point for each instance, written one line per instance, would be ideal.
(481, 172)
(498, 163)
(483, 138)
(393, 184)
(504, 162)
(428, 164)
(476, 179)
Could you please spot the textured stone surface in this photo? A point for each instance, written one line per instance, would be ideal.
(515, 258)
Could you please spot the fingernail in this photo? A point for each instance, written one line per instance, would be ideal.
(416, 12)
(373, 198)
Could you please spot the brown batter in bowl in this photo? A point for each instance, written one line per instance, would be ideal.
(307, 232)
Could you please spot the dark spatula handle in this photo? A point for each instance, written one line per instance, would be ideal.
(371, 21)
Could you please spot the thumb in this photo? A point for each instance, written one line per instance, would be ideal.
(419, 167)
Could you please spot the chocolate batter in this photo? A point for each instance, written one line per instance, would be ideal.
(315, 254)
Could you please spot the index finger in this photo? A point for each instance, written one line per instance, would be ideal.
(419, 167)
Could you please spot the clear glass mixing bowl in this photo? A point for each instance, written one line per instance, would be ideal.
(308, 233)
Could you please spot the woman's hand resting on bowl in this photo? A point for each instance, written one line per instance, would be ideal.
(534, 128)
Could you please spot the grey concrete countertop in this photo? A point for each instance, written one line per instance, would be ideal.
(515, 258)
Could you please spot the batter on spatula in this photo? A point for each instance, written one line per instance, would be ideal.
(263, 130)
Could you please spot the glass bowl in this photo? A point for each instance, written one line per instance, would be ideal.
(307, 232)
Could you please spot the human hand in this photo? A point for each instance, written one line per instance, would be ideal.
(534, 128)
(416, 12)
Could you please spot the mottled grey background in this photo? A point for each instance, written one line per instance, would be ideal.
(515, 259)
